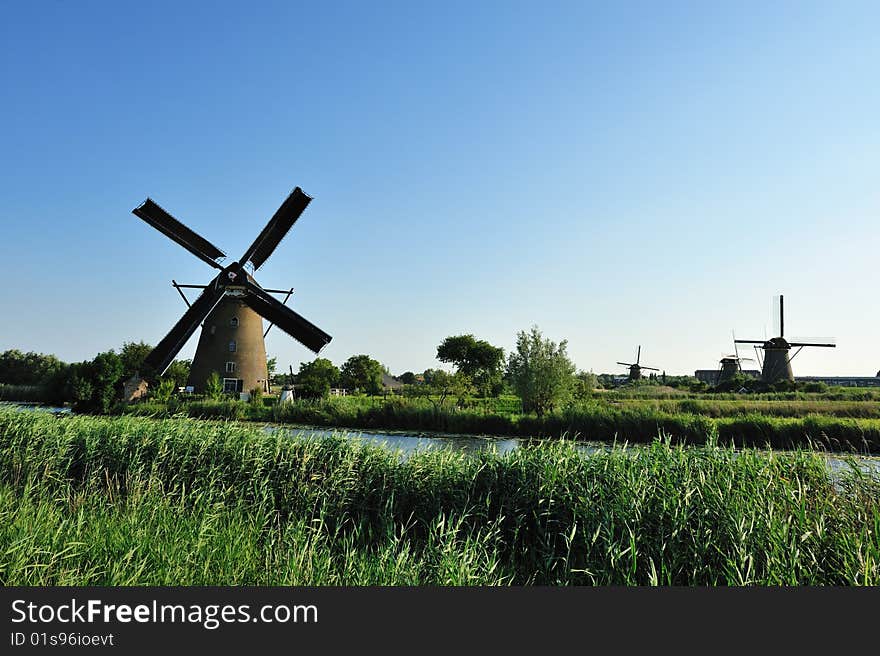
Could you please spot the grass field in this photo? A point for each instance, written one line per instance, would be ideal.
(136, 501)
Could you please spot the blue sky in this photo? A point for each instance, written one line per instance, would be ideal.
(618, 174)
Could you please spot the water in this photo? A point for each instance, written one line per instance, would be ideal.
(37, 407)
(407, 444)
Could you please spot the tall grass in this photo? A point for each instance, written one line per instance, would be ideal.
(744, 405)
(109, 501)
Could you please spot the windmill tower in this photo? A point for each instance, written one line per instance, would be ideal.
(635, 369)
(731, 365)
(777, 359)
(231, 307)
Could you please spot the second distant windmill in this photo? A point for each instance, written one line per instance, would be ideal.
(635, 369)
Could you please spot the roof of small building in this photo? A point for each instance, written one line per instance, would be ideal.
(390, 382)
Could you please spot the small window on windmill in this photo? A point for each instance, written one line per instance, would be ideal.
(230, 367)
(233, 322)
(232, 346)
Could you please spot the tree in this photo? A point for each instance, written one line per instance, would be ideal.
(94, 386)
(476, 359)
(584, 384)
(540, 371)
(17, 368)
(315, 378)
(164, 390)
(214, 386)
(271, 368)
(442, 387)
(362, 373)
(132, 356)
(407, 378)
(178, 371)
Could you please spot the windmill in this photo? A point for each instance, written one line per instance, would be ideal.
(731, 364)
(635, 370)
(231, 307)
(777, 361)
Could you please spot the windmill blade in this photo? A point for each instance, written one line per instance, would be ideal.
(735, 349)
(826, 344)
(639, 354)
(626, 364)
(750, 341)
(271, 309)
(162, 221)
(641, 366)
(161, 356)
(776, 319)
(280, 223)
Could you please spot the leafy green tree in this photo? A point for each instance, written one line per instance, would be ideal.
(451, 386)
(540, 371)
(476, 359)
(584, 384)
(95, 386)
(164, 390)
(441, 387)
(178, 372)
(315, 378)
(271, 368)
(214, 386)
(408, 378)
(132, 356)
(362, 373)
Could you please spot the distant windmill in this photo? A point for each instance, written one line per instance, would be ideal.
(731, 364)
(777, 361)
(635, 370)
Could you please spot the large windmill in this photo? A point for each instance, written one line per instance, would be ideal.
(230, 307)
(635, 369)
(777, 358)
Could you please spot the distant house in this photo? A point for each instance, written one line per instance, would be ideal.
(339, 391)
(390, 383)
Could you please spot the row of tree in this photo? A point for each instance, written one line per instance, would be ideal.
(92, 385)
(538, 370)
(360, 373)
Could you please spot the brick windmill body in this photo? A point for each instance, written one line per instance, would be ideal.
(230, 309)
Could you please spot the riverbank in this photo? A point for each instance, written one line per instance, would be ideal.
(127, 500)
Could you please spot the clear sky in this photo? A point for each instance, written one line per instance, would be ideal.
(616, 173)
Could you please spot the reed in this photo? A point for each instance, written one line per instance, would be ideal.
(136, 501)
